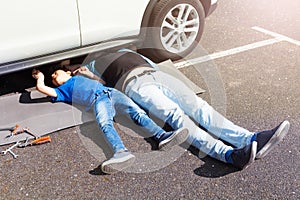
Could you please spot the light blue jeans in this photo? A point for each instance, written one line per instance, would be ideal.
(170, 100)
(112, 102)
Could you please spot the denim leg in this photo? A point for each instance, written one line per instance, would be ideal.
(151, 98)
(207, 144)
(125, 106)
(104, 113)
(206, 115)
(192, 105)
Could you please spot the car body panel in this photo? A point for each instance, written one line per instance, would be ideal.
(31, 28)
(99, 22)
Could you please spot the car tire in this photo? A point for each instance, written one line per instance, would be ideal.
(176, 38)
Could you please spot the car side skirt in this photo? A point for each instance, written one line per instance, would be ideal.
(37, 61)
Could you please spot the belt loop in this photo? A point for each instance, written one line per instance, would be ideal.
(135, 77)
(108, 93)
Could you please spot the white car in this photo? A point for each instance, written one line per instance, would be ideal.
(36, 32)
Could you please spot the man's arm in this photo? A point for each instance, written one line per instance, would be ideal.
(40, 84)
(87, 73)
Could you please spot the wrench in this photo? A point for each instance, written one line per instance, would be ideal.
(10, 150)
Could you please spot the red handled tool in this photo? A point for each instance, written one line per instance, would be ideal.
(40, 140)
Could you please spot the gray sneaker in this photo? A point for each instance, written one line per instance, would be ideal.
(170, 139)
(119, 162)
(268, 139)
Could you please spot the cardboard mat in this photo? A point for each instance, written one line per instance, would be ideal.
(35, 111)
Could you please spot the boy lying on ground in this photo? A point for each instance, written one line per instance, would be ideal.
(106, 102)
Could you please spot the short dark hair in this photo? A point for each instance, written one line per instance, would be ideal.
(54, 68)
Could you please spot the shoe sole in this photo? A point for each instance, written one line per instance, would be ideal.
(179, 137)
(252, 155)
(275, 139)
(113, 166)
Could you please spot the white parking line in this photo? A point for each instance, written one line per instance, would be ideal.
(277, 38)
(276, 35)
(226, 53)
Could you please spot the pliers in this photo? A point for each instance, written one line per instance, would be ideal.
(40, 140)
(13, 130)
(37, 139)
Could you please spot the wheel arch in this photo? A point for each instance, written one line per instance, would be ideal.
(146, 18)
(147, 37)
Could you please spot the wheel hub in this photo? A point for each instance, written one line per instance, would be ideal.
(180, 28)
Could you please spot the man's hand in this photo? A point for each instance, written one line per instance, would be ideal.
(37, 74)
(87, 73)
(83, 71)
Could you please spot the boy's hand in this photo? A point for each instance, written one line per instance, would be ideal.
(40, 85)
(37, 74)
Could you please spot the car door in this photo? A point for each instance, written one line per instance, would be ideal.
(102, 20)
(37, 27)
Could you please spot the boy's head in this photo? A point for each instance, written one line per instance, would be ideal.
(60, 76)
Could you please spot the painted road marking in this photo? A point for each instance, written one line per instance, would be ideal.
(226, 53)
(276, 35)
(277, 38)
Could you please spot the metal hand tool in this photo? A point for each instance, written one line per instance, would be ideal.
(26, 130)
(13, 130)
(10, 150)
(40, 140)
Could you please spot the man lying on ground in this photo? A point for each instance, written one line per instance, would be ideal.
(170, 100)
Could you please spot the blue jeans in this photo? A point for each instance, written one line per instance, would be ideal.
(170, 100)
(112, 102)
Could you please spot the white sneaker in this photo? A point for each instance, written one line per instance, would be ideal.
(119, 162)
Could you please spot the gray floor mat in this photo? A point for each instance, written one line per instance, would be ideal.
(34, 111)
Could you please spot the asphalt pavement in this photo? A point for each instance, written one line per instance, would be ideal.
(255, 86)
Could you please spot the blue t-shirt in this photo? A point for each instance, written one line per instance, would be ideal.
(79, 90)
